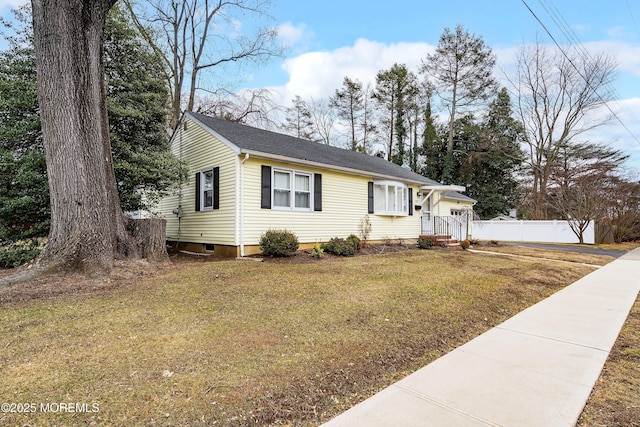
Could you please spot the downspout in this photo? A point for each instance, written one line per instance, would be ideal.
(180, 197)
(241, 205)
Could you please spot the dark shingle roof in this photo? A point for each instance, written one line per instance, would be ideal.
(271, 143)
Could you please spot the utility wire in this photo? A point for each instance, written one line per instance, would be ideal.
(578, 46)
(579, 72)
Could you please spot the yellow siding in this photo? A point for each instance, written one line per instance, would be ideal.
(344, 204)
(240, 220)
(445, 206)
(201, 150)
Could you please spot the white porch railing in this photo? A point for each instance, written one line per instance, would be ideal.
(454, 226)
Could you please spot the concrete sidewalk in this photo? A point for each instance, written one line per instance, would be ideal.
(535, 369)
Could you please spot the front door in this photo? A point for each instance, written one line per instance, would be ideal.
(460, 223)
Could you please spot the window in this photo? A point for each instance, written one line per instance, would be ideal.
(207, 189)
(390, 198)
(291, 190)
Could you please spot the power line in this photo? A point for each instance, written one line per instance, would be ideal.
(613, 113)
(578, 46)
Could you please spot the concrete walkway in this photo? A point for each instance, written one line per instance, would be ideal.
(536, 369)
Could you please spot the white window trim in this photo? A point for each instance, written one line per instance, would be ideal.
(204, 208)
(402, 196)
(292, 174)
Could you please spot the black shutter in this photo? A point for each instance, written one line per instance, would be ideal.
(370, 197)
(411, 201)
(317, 192)
(216, 188)
(197, 191)
(265, 202)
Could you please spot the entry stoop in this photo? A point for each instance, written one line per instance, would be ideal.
(445, 241)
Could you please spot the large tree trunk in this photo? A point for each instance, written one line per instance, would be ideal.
(87, 226)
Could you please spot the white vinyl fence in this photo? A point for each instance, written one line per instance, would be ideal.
(530, 231)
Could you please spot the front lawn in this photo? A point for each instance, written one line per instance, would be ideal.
(249, 343)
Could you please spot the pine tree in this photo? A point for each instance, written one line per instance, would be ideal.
(298, 120)
(393, 89)
(433, 148)
(349, 103)
(461, 67)
(493, 158)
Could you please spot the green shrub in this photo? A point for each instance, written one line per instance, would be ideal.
(354, 241)
(425, 243)
(338, 246)
(317, 251)
(279, 243)
(19, 253)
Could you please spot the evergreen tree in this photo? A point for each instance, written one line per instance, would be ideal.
(398, 155)
(349, 104)
(493, 158)
(434, 148)
(461, 67)
(298, 121)
(24, 190)
(394, 87)
(137, 105)
(137, 108)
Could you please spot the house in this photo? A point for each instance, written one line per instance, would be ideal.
(245, 181)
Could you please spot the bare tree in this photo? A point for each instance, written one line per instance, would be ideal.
(558, 98)
(580, 181)
(254, 107)
(298, 121)
(201, 35)
(368, 125)
(623, 208)
(324, 119)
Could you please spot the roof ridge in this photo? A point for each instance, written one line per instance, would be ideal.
(251, 138)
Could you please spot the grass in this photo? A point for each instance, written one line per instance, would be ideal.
(549, 254)
(244, 343)
(624, 246)
(615, 399)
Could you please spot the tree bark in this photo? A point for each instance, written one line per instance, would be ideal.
(87, 225)
(149, 236)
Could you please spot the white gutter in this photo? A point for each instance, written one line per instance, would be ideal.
(442, 187)
(319, 165)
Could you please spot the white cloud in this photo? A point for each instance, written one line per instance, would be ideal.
(626, 55)
(617, 32)
(5, 4)
(318, 74)
(291, 35)
(581, 28)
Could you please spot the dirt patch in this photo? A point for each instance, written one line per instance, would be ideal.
(128, 273)
(125, 273)
(304, 256)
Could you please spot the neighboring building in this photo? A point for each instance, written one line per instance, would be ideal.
(245, 181)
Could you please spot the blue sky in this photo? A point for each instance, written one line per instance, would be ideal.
(331, 39)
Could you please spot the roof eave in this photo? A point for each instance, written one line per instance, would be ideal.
(442, 187)
(320, 165)
(208, 129)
